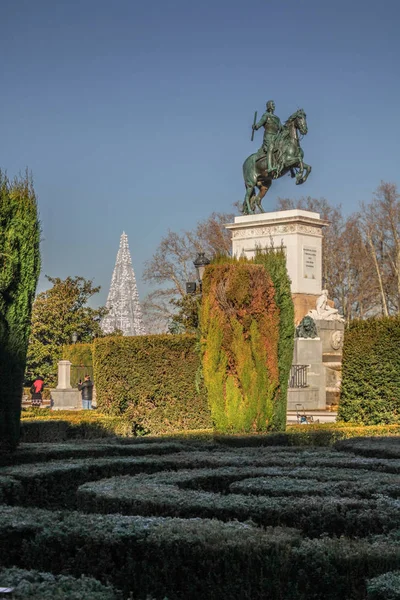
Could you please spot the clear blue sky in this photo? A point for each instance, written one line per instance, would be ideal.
(137, 115)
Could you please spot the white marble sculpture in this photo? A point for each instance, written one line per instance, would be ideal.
(324, 312)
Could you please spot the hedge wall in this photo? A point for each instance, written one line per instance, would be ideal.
(78, 354)
(370, 392)
(151, 380)
(239, 337)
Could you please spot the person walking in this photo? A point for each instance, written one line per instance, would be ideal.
(86, 388)
(36, 391)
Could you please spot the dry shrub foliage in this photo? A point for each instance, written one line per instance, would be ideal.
(239, 338)
(151, 381)
(370, 392)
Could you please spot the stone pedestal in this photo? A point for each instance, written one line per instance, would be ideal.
(67, 399)
(299, 232)
(64, 397)
(64, 375)
(331, 334)
(308, 351)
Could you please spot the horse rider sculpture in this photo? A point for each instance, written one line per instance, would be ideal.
(272, 127)
(280, 154)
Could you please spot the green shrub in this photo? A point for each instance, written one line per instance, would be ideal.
(239, 341)
(171, 494)
(193, 559)
(46, 586)
(78, 354)
(274, 261)
(151, 381)
(213, 555)
(74, 424)
(19, 272)
(370, 392)
(382, 447)
(384, 587)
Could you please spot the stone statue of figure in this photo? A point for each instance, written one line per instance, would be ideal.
(323, 311)
(272, 127)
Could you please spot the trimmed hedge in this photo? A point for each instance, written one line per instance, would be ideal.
(239, 323)
(45, 426)
(78, 354)
(57, 426)
(151, 381)
(384, 587)
(37, 585)
(370, 392)
(382, 447)
(205, 558)
(202, 493)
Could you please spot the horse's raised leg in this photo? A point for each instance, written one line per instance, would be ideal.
(308, 169)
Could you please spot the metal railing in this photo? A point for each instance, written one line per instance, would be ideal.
(78, 373)
(298, 376)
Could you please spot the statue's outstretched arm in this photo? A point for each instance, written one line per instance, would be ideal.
(261, 122)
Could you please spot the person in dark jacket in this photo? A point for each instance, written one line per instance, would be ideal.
(86, 388)
(36, 391)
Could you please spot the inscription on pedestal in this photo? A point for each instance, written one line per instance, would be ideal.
(309, 262)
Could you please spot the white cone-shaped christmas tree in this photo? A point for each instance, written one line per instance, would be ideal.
(123, 303)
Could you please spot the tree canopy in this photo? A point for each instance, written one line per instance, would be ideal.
(57, 314)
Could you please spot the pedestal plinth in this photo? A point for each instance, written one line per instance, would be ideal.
(299, 233)
(67, 399)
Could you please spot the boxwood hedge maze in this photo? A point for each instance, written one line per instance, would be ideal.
(194, 519)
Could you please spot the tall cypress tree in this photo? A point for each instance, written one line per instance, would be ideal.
(19, 272)
(274, 261)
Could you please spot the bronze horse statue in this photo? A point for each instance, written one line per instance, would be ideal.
(287, 157)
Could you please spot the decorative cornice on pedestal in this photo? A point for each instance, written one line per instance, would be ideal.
(277, 223)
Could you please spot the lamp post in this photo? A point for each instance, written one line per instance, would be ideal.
(200, 263)
(74, 337)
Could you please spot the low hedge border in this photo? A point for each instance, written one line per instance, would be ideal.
(37, 585)
(193, 559)
(57, 426)
(44, 452)
(383, 447)
(161, 494)
(384, 587)
(52, 484)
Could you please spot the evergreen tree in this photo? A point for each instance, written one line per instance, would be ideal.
(19, 272)
(274, 261)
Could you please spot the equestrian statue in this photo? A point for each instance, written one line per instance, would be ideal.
(279, 154)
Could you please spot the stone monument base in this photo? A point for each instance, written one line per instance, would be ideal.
(67, 399)
(308, 398)
(331, 334)
(308, 351)
(302, 304)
